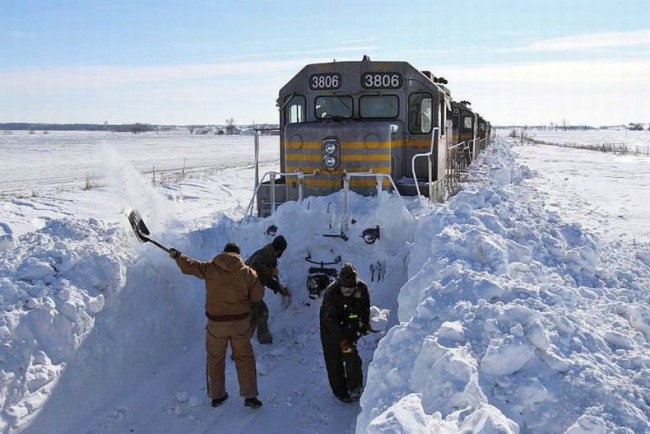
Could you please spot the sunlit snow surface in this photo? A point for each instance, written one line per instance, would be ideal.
(521, 305)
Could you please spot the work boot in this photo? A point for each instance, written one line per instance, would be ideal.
(264, 338)
(216, 402)
(344, 398)
(355, 394)
(252, 403)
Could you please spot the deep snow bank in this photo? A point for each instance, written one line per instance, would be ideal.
(53, 284)
(512, 321)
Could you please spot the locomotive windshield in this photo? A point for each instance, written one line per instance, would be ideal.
(384, 106)
(328, 107)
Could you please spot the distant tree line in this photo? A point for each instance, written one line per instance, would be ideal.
(551, 127)
(632, 126)
(635, 126)
(119, 128)
(229, 128)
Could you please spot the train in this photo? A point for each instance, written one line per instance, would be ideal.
(368, 126)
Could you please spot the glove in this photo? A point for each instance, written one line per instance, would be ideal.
(284, 291)
(346, 348)
(365, 329)
(173, 253)
(274, 272)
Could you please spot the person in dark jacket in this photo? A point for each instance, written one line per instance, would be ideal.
(265, 262)
(230, 289)
(344, 316)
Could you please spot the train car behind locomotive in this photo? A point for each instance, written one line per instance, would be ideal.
(361, 125)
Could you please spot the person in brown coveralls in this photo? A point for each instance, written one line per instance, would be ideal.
(230, 288)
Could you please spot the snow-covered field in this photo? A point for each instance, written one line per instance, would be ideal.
(51, 173)
(634, 141)
(521, 305)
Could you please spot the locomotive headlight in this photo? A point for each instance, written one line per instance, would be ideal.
(330, 153)
(330, 162)
(329, 147)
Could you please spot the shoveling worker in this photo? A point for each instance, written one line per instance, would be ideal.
(265, 262)
(230, 289)
(344, 316)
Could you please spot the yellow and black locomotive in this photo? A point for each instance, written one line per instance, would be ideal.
(363, 125)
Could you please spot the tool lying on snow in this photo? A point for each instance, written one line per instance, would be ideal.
(285, 301)
(141, 231)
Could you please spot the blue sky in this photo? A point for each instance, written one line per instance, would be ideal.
(204, 61)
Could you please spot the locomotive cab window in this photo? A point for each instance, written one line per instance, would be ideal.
(468, 125)
(294, 110)
(420, 113)
(383, 106)
(328, 107)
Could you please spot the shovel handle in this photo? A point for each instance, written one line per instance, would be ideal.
(158, 244)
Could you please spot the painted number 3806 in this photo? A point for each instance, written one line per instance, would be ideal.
(324, 81)
(371, 80)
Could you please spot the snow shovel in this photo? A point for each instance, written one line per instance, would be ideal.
(285, 301)
(141, 231)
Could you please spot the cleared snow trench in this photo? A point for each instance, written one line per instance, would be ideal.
(147, 342)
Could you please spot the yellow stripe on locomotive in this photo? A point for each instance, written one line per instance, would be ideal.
(353, 156)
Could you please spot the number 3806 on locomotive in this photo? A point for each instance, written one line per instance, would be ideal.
(368, 125)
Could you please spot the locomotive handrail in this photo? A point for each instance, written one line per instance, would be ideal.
(379, 177)
(456, 159)
(345, 221)
(481, 144)
(346, 188)
(272, 174)
(425, 154)
(256, 144)
(457, 145)
(471, 145)
(466, 158)
(456, 163)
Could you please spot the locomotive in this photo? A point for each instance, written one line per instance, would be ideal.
(471, 133)
(368, 125)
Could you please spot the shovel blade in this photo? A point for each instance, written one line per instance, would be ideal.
(141, 231)
(139, 228)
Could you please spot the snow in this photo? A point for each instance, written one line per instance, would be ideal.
(520, 305)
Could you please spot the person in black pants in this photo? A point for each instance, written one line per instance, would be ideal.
(265, 263)
(344, 316)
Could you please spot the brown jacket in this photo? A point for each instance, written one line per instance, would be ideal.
(230, 285)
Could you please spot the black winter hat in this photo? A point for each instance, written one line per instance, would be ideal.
(348, 275)
(232, 248)
(279, 243)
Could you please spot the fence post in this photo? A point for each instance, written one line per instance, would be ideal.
(257, 156)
